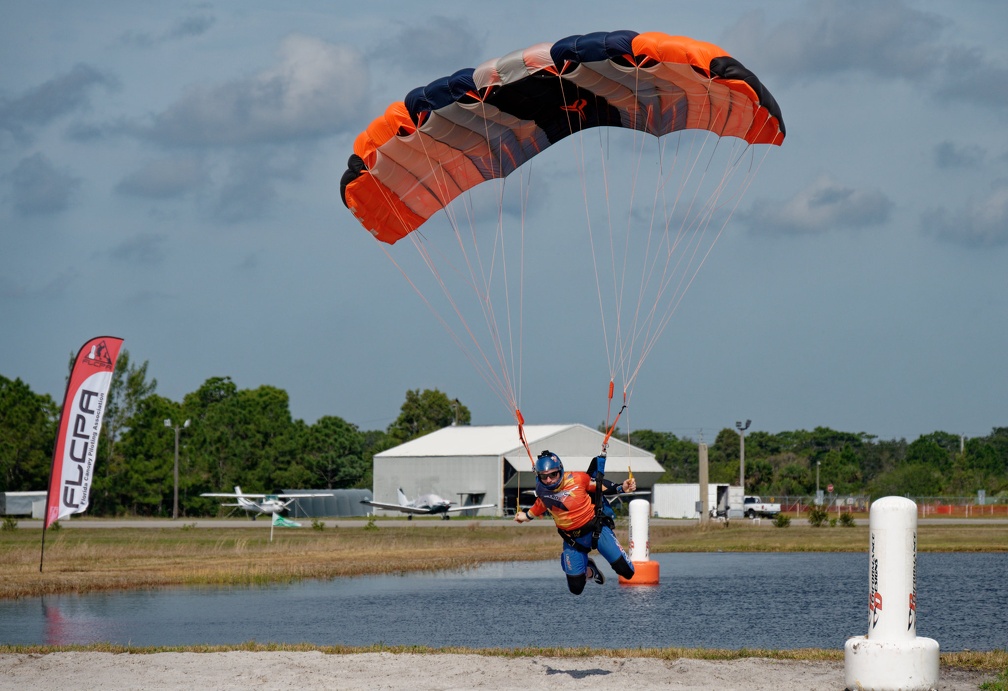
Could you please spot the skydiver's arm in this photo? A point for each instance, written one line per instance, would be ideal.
(531, 513)
(628, 485)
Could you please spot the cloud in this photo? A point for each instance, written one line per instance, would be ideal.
(883, 38)
(146, 248)
(39, 188)
(968, 74)
(823, 206)
(950, 155)
(56, 287)
(249, 183)
(831, 36)
(316, 89)
(982, 222)
(438, 47)
(165, 178)
(187, 27)
(56, 97)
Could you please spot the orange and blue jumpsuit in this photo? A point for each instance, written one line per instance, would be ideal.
(573, 511)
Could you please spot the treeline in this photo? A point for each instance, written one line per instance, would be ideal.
(247, 437)
(786, 463)
(235, 436)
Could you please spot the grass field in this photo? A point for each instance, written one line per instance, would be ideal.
(92, 559)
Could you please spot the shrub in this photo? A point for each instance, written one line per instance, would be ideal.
(9, 523)
(847, 519)
(318, 524)
(817, 516)
(782, 520)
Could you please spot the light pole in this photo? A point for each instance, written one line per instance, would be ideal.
(741, 432)
(167, 423)
(817, 464)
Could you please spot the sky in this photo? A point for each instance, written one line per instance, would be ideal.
(169, 174)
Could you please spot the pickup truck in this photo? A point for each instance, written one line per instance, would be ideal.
(755, 506)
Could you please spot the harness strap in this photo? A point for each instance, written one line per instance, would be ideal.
(594, 527)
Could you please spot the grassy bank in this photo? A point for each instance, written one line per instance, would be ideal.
(93, 559)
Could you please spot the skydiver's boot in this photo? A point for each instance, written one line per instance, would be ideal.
(594, 573)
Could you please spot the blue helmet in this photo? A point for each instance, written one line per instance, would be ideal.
(549, 463)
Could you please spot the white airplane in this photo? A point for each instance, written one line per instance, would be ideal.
(426, 505)
(257, 504)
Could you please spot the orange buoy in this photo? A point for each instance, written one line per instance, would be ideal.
(645, 570)
(645, 573)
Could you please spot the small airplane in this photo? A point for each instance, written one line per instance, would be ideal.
(426, 505)
(257, 504)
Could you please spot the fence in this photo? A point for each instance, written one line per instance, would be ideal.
(953, 507)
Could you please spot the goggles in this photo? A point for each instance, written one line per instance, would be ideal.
(549, 476)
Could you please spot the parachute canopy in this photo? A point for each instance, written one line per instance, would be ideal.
(484, 123)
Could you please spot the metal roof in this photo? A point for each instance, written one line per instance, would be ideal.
(495, 441)
(470, 440)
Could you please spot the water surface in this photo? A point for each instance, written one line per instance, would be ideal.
(722, 600)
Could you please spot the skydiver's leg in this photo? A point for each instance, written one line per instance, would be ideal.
(574, 564)
(609, 547)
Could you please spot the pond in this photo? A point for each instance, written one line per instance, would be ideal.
(718, 600)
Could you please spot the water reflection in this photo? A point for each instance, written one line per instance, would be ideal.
(724, 600)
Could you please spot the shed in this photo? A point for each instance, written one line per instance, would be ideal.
(23, 503)
(488, 464)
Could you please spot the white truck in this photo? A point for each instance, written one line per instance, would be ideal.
(754, 506)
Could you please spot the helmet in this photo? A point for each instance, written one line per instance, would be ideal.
(547, 463)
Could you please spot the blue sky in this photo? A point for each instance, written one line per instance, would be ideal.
(169, 173)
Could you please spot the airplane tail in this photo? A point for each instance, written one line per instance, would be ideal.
(238, 490)
(403, 501)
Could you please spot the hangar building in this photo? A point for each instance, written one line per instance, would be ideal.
(488, 464)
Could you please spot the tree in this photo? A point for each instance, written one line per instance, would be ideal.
(937, 450)
(128, 391)
(678, 456)
(332, 453)
(758, 474)
(143, 483)
(28, 423)
(909, 480)
(426, 412)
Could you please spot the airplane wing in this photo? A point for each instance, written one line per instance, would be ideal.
(252, 495)
(396, 507)
(455, 509)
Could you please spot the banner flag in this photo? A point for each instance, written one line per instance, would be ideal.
(80, 425)
(279, 520)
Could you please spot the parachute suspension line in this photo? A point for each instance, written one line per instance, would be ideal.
(500, 386)
(731, 168)
(521, 435)
(582, 168)
(480, 278)
(639, 138)
(628, 338)
(483, 368)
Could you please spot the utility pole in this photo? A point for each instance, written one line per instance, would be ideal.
(168, 423)
(741, 432)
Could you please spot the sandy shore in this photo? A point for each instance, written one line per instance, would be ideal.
(315, 670)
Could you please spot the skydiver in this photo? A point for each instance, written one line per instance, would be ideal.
(569, 499)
